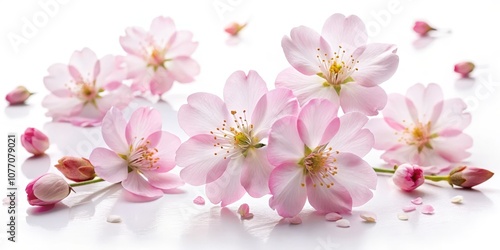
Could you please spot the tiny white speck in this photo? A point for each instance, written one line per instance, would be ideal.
(114, 219)
(343, 223)
(457, 199)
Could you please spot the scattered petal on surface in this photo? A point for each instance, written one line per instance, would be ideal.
(333, 216)
(295, 220)
(343, 223)
(457, 199)
(114, 219)
(199, 200)
(244, 211)
(402, 216)
(417, 201)
(248, 216)
(427, 209)
(409, 208)
(369, 217)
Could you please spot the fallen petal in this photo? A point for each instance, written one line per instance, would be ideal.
(243, 209)
(427, 209)
(295, 220)
(247, 216)
(417, 201)
(402, 216)
(409, 208)
(457, 199)
(333, 216)
(369, 217)
(114, 219)
(343, 223)
(199, 200)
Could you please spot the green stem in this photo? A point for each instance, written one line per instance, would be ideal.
(76, 184)
(384, 170)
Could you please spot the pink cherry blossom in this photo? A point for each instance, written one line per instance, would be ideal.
(464, 68)
(140, 153)
(160, 56)
(227, 149)
(408, 177)
(47, 190)
(421, 128)
(18, 95)
(338, 65)
(85, 89)
(468, 177)
(318, 157)
(35, 141)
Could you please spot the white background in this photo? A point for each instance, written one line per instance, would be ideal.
(174, 222)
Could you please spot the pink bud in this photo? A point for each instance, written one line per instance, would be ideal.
(468, 177)
(408, 177)
(76, 169)
(47, 190)
(34, 141)
(464, 68)
(18, 96)
(234, 28)
(422, 28)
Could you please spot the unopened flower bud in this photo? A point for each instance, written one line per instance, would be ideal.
(76, 169)
(408, 177)
(234, 28)
(18, 96)
(464, 68)
(468, 177)
(34, 141)
(422, 28)
(47, 190)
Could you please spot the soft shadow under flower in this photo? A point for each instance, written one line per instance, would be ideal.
(35, 166)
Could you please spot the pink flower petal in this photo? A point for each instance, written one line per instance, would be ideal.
(143, 122)
(285, 145)
(333, 216)
(417, 201)
(255, 174)
(377, 63)
(113, 131)
(425, 99)
(137, 185)
(133, 41)
(199, 201)
(306, 87)
(367, 100)
(161, 81)
(301, 49)
(108, 165)
(247, 216)
(354, 176)
(167, 146)
(84, 61)
(452, 115)
(162, 28)
(385, 136)
(336, 198)
(163, 181)
(396, 112)
(317, 127)
(427, 209)
(350, 32)
(227, 189)
(243, 209)
(409, 208)
(58, 74)
(351, 137)
(206, 167)
(242, 92)
(287, 184)
(203, 112)
(183, 69)
(181, 44)
(271, 107)
(296, 220)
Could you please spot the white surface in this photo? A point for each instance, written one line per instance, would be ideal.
(174, 222)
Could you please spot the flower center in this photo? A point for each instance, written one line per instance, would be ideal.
(418, 135)
(142, 156)
(156, 58)
(85, 91)
(235, 139)
(336, 69)
(319, 165)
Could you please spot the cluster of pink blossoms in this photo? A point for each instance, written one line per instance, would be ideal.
(289, 142)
